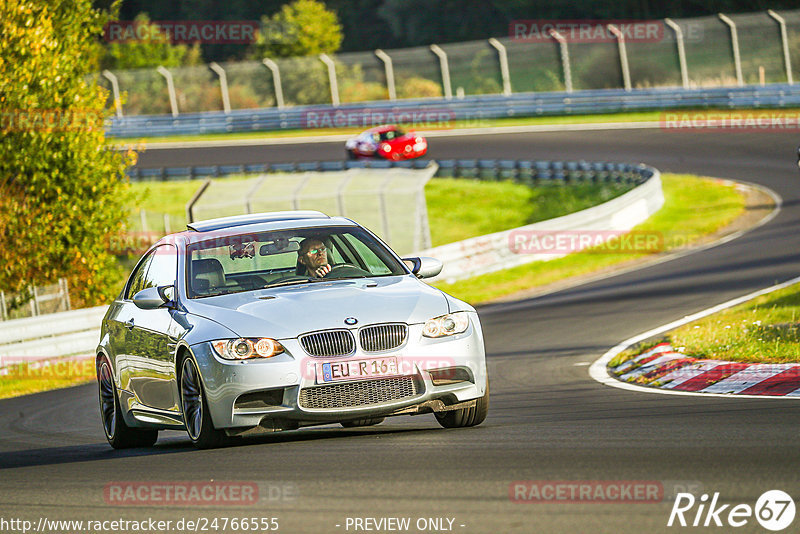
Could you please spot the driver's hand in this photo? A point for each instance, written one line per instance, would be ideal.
(322, 270)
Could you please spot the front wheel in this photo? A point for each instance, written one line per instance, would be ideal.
(118, 433)
(194, 405)
(466, 416)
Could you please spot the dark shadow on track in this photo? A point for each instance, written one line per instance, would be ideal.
(172, 445)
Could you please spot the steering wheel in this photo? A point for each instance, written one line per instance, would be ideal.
(338, 267)
(292, 278)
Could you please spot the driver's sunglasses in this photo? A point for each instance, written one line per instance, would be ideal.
(315, 251)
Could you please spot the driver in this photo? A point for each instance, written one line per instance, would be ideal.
(313, 256)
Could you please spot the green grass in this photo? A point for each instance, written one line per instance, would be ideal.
(460, 209)
(634, 116)
(457, 208)
(765, 329)
(694, 207)
(24, 379)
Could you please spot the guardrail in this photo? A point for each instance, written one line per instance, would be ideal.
(420, 112)
(76, 333)
(493, 252)
(524, 171)
(57, 335)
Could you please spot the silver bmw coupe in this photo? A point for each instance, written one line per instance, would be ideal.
(275, 321)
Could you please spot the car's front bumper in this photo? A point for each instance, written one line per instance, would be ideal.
(279, 388)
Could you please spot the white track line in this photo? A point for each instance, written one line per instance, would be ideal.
(598, 369)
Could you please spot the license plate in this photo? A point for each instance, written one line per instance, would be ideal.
(351, 369)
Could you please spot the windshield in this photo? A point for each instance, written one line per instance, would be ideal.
(247, 262)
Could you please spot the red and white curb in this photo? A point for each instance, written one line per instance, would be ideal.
(665, 368)
(707, 378)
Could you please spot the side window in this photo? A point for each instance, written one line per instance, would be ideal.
(136, 280)
(163, 268)
(375, 265)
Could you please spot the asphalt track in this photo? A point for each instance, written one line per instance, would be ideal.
(549, 421)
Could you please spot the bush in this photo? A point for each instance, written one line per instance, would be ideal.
(417, 87)
(62, 191)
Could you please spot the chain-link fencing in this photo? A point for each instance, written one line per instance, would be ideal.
(707, 51)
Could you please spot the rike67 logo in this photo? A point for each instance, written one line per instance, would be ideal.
(774, 510)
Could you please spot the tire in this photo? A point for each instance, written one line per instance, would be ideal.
(350, 155)
(118, 434)
(367, 421)
(466, 416)
(194, 406)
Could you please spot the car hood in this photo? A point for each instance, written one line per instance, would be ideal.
(286, 312)
(402, 140)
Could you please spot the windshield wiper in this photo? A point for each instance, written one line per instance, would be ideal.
(290, 283)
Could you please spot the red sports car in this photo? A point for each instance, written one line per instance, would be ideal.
(388, 142)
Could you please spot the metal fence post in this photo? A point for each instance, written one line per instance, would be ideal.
(248, 206)
(737, 60)
(623, 56)
(276, 80)
(383, 208)
(445, 67)
(787, 63)
(114, 91)
(562, 46)
(389, 68)
(340, 194)
(296, 192)
(325, 58)
(223, 86)
(34, 302)
(143, 220)
(63, 289)
(194, 199)
(503, 57)
(681, 51)
(173, 100)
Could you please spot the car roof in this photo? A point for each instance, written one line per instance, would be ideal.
(254, 218)
(382, 128)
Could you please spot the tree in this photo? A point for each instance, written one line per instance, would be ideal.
(151, 52)
(302, 28)
(63, 194)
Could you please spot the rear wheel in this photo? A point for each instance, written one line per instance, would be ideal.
(194, 406)
(466, 416)
(118, 434)
(367, 421)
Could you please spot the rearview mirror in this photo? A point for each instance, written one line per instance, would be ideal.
(424, 267)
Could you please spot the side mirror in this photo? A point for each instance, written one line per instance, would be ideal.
(153, 297)
(424, 267)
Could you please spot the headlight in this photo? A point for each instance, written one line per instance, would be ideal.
(446, 325)
(245, 349)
